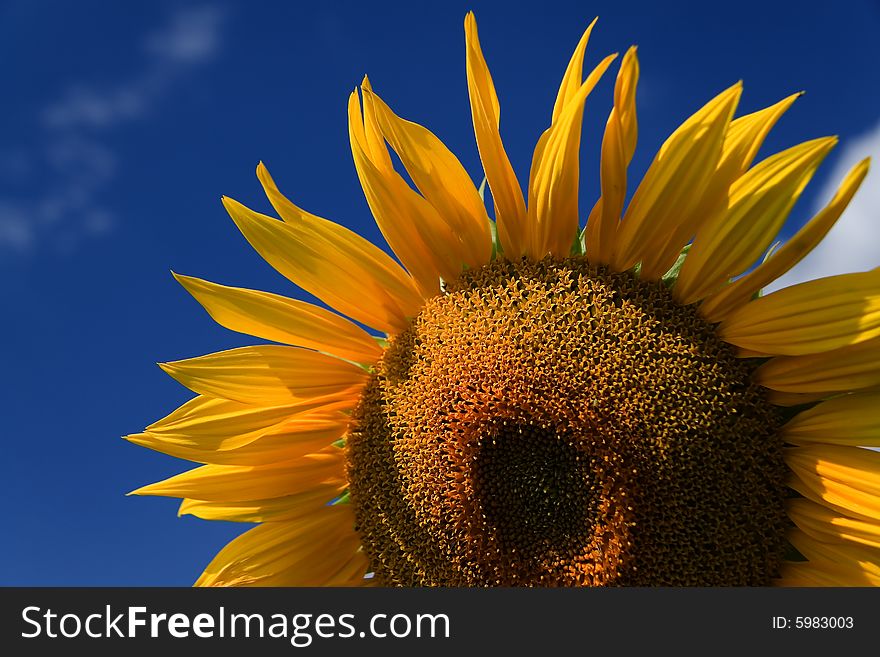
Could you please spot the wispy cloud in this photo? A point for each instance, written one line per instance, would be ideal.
(72, 156)
(852, 244)
(192, 37)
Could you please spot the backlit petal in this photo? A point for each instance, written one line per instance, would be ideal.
(843, 478)
(661, 216)
(808, 318)
(269, 375)
(311, 551)
(746, 134)
(720, 304)
(209, 416)
(302, 434)
(758, 205)
(342, 269)
(507, 196)
(413, 228)
(820, 574)
(860, 560)
(828, 525)
(572, 79)
(273, 509)
(741, 142)
(278, 318)
(235, 483)
(440, 178)
(618, 147)
(553, 186)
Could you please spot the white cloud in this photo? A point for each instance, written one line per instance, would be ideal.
(74, 163)
(191, 37)
(85, 106)
(853, 244)
(15, 230)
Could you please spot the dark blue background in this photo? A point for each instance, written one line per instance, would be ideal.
(88, 304)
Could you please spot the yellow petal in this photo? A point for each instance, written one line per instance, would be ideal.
(274, 509)
(353, 572)
(758, 204)
(861, 561)
(618, 146)
(440, 178)
(843, 478)
(312, 551)
(719, 305)
(747, 133)
(210, 417)
(237, 483)
(339, 267)
(269, 375)
(571, 79)
(507, 197)
(662, 216)
(553, 186)
(370, 137)
(821, 574)
(302, 434)
(855, 367)
(414, 231)
(344, 244)
(815, 316)
(278, 318)
(828, 525)
(848, 420)
(741, 143)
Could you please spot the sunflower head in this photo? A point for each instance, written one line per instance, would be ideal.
(537, 399)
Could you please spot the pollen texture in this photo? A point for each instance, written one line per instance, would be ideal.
(554, 424)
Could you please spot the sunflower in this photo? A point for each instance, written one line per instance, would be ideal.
(546, 405)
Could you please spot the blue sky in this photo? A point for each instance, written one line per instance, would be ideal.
(123, 123)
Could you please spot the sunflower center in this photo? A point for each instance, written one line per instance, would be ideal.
(529, 484)
(555, 424)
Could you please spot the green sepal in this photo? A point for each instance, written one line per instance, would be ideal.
(671, 276)
(577, 246)
(496, 245)
(493, 226)
(773, 248)
(339, 443)
(345, 498)
(383, 342)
